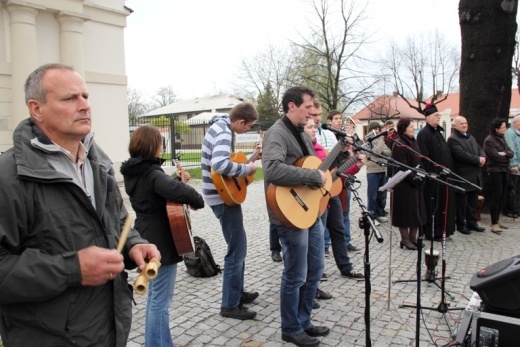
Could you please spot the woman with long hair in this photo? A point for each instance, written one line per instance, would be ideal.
(498, 154)
(409, 214)
(149, 189)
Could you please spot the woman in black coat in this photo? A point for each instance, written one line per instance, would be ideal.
(407, 201)
(149, 188)
(498, 154)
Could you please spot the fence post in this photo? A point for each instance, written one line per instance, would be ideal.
(172, 137)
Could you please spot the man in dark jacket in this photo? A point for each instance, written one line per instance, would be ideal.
(439, 202)
(468, 159)
(63, 282)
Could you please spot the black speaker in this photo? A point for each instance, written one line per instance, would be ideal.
(498, 286)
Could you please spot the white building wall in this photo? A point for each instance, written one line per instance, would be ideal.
(88, 34)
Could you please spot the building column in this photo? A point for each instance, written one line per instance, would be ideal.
(24, 54)
(71, 40)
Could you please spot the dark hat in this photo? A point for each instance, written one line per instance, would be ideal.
(429, 109)
(374, 125)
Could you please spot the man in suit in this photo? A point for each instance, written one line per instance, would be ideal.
(468, 159)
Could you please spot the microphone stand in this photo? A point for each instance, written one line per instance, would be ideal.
(366, 223)
(443, 306)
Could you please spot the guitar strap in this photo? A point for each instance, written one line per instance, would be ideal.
(297, 133)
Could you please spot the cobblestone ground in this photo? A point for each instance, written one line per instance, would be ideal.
(194, 312)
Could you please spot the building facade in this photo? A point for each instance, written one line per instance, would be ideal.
(87, 34)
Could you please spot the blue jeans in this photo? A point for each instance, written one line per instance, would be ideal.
(303, 266)
(326, 234)
(346, 218)
(274, 240)
(160, 294)
(231, 221)
(376, 199)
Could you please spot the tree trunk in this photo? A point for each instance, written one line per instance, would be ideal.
(488, 29)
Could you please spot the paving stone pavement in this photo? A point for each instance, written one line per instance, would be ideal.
(194, 312)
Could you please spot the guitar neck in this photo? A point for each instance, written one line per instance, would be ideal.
(253, 156)
(329, 159)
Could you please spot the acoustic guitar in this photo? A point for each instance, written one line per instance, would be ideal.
(180, 222)
(298, 206)
(337, 184)
(233, 190)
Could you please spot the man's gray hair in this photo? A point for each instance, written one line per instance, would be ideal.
(515, 119)
(34, 88)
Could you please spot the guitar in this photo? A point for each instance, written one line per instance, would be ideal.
(180, 222)
(233, 190)
(298, 206)
(337, 184)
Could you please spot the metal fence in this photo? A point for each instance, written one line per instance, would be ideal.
(187, 138)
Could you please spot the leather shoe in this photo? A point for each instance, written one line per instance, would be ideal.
(302, 340)
(276, 257)
(317, 331)
(321, 295)
(464, 231)
(351, 248)
(238, 312)
(248, 297)
(475, 227)
(315, 305)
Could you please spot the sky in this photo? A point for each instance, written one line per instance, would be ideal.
(196, 46)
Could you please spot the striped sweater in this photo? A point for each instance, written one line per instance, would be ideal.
(216, 151)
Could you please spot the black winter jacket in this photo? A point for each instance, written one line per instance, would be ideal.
(466, 154)
(149, 188)
(44, 220)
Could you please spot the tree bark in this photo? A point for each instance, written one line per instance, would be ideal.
(488, 29)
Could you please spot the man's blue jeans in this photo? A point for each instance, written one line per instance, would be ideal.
(346, 218)
(303, 266)
(160, 294)
(231, 221)
(376, 199)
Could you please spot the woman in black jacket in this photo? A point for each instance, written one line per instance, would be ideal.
(408, 211)
(149, 188)
(498, 154)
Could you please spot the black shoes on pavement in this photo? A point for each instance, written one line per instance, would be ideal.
(463, 230)
(317, 331)
(308, 337)
(239, 312)
(321, 295)
(475, 227)
(277, 258)
(354, 274)
(248, 297)
(352, 248)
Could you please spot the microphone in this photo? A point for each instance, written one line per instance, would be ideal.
(334, 130)
(382, 133)
(348, 178)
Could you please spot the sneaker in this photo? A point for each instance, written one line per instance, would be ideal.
(277, 258)
(354, 274)
(324, 277)
(239, 312)
(321, 295)
(352, 248)
(317, 331)
(382, 219)
(302, 340)
(327, 252)
(248, 297)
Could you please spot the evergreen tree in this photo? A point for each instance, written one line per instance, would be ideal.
(267, 108)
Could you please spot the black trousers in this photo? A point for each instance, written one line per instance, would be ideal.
(466, 208)
(498, 182)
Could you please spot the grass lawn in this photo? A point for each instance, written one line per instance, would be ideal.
(197, 173)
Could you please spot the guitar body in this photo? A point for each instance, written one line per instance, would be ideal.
(180, 222)
(233, 190)
(180, 225)
(336, 188)
(298, 207)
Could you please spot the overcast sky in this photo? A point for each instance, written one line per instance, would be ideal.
(196, 46)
